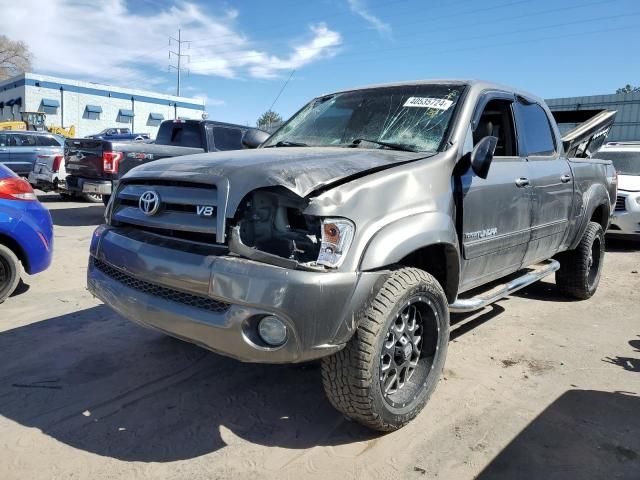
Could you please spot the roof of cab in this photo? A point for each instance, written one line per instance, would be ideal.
(213, 122)
(475, 85)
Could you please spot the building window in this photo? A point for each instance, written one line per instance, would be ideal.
(92, 112)
(49, 106)
(155, 119)
(125, 116)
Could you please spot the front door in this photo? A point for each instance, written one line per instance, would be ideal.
(24, 150)
(551, 181)
(496, 211)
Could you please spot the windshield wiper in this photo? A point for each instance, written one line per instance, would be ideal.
(393, 146)
(287, 143)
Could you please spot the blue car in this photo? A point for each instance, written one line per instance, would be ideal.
(26, 232)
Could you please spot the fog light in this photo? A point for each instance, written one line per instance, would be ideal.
(272, 330)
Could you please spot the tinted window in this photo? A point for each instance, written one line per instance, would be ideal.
(227, 138)
(180, 134)
(533, 126)
(45, 141)
(25, 140)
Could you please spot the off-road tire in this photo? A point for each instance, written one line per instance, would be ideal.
(580, 268)
(9, 272)
(92, 197)
(351, 377)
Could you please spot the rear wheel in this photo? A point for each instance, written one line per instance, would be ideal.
(580, 268)
(92, 197)
(386, 373)
(9, 272)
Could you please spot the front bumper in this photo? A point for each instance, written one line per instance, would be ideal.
(626, 222)
(83, 185)
(153, 285)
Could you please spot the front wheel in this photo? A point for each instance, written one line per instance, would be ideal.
(388, 370)
(9, 272)
(581, 267)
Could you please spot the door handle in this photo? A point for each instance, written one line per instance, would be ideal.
(522, 182)
(566, 178)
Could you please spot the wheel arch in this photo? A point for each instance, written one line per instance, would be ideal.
(427, 241)
(597, 208)
(16, 248)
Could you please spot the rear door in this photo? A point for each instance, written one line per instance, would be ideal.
(551, 180)
(496, 219)
(4, 147)
(23, 152)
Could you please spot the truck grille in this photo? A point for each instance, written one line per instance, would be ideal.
(621, 203)
(195, 301)
(187, 211)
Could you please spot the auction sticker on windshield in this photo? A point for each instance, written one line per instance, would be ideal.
(428, 102)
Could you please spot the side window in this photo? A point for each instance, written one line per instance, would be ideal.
(4, 140)
(497, 121)
(227, 138)
(25, 141)
(533, 124)
(45, 141)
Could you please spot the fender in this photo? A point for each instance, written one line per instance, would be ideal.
(592, 198)
(407, 235)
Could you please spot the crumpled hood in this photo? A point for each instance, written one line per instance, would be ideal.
(299, 169)
(629, 182)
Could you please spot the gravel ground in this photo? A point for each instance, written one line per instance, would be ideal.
(534, 387)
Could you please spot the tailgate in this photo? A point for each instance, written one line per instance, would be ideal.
(83, 157)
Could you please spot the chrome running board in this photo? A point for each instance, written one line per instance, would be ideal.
(539, 271)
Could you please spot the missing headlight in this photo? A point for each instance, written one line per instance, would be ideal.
(271, 220)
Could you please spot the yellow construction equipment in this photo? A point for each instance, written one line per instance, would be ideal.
(36, 121)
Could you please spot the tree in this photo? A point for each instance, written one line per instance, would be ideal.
(15, 57)
(628, 89)
(268, 120)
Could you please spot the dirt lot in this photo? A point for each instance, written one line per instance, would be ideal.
(534, 387)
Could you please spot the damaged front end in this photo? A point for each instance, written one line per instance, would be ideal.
(270, 226)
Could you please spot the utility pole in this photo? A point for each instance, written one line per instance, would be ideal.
(179, 55)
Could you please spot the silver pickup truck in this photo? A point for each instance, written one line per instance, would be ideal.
(355, 229)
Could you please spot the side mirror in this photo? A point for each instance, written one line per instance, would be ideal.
(482, 155)
(254, 138)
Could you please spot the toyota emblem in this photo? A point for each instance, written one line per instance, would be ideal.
(149, 202)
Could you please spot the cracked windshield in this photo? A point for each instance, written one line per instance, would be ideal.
(412, 118)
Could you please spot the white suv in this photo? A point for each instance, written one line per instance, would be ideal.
(626, 160)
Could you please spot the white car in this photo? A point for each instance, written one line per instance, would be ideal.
(626, 160)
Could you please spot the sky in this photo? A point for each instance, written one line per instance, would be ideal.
(242, 53)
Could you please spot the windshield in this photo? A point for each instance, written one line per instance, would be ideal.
(626, 163)
(416, 117)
